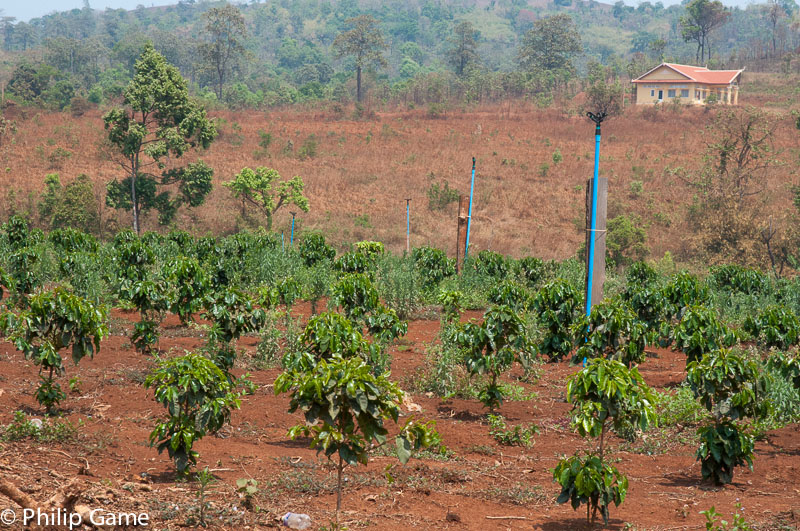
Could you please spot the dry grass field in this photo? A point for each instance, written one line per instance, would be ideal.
(525, 201)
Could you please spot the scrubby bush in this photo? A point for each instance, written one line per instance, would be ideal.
(611, 331)
(775, 326)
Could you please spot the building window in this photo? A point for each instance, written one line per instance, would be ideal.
(697, 94)
(652, 93)
(671, 93)
(685, 93)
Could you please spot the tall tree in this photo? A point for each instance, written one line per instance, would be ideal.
(464, 47)
(224, 50)
(549, 47)
(701, 18)
(364, 42)
(774, 12)
(158, 122)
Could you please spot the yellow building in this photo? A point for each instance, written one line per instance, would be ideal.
(689, 84)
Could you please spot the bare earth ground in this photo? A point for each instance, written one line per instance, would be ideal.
(480, 480)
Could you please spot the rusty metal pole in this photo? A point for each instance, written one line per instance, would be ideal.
(461, 233)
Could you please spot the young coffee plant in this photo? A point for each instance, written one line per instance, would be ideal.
(531, 269)
(738, 279)
(191, 285)
(728, 385)
(492, 347)
(511, 294)
(646, 298)
(433, 265)
(491, 264)
(700, 331)
(787, 366)
(605, 395)
(198, 397)
(152, 299)
(233, 314)
(776, 326)
(611, 331)
(56, 320)
(345, 407)
(314, 250)
(557, 304)
(682, 291)
(451, 301)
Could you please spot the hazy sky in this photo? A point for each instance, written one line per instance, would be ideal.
(26, 10)
(31, 9)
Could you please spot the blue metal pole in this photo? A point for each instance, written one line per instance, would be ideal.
(408, 225)
(291, 241)
(592, 233)
(469, 214)
(283, 244)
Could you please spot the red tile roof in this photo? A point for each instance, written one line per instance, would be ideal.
(699, 74)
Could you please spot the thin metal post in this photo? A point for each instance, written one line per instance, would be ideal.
(283, 243)
(408, 225)
(291, 241)
(469, 214)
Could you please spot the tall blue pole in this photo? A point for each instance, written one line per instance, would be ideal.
(283, 244)
(408, 225)
(469, 214)
(597, 119)
(291, 241)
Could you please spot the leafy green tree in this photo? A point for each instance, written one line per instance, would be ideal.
(224, 50)
(550, 46)
(233, 314)
(198, 397)
(263, 189)
(605, 97)
(463, 51)
(152, 299)
(728, 385)
(364, 42)
(775, 326)
(702, 17)
(56, 320)
(159, 122)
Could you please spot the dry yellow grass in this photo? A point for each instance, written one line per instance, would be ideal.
(368, 168)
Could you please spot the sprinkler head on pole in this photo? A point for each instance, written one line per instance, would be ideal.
(292, 213)
(597, 118)
(473, 163)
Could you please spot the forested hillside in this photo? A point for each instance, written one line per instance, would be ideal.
(263, 54)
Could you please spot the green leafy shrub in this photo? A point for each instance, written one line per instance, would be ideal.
(728, 385)
(354, 262)
(198, 397)
(611, 331)
(531, 269)
(439, 197)
(646, 298)
(492, 347)
(509, 293)
(398, 283)
(433, 265)
(314, 249)
(739, 279)
(233, 314)
(557, 304)
(775, 326)
(191, 285)
(684, 290)
(786, 365)
(56, 320)
(152, 300)
(700, 331)
(491, 264)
